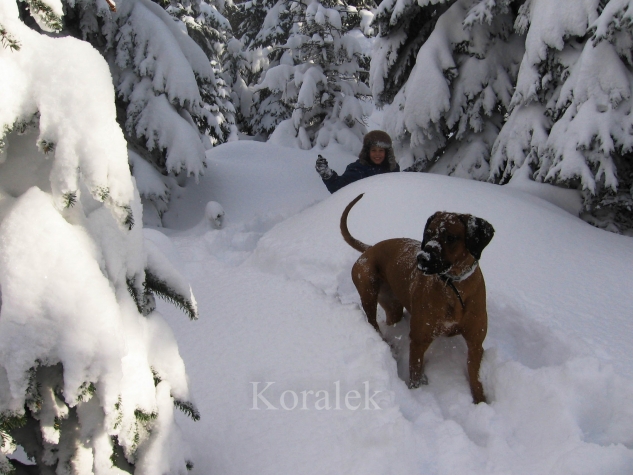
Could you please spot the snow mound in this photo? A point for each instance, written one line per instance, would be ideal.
(542, 260)
(278, 306)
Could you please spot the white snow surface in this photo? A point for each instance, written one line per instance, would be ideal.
(277, 305)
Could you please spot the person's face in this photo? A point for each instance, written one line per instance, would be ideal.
(377, 155)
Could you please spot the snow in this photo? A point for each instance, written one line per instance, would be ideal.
(214, 213)
(280, 325)
(285, 370)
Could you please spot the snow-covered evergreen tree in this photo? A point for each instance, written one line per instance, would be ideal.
(315, 93)
(572, 105)
(458, 91)
(90, 373)
(171, 101)
(208, 27)
(237, 74)
(402, 28)
(488, 86)
(261, 26)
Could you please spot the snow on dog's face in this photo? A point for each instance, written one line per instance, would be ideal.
(449, 238)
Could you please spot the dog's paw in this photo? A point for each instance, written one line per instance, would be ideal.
(423, 382)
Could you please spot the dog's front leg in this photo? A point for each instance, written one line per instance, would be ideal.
(475, 355)
(417, 350)
(474, 339)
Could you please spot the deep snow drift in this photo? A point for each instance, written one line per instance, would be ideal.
(277, 306)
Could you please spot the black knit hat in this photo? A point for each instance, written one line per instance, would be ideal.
(378, 138)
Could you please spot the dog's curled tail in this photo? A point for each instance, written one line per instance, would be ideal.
(349, 239)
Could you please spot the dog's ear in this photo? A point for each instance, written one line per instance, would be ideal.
(479, 233)
(428, 221)
(426, 226)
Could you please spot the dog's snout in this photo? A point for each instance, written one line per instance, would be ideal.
(430, 258)
(423, 257)
(429, 249)
(424, 260)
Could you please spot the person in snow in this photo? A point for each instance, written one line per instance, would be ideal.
(375, 158)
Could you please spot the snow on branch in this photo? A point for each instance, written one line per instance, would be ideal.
(548, 25)
(80, 129)
(47, 13)
(162, 279)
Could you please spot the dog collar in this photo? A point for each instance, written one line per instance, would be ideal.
(450, 279)
(464, 275)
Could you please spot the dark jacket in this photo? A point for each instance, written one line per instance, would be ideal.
(358, 170)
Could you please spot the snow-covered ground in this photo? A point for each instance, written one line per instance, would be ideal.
(280, 319)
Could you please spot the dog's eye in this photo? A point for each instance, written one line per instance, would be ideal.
(451, 238)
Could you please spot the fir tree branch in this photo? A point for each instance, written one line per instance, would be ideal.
(102, 192)
(129, 217)
(46, 14)
(86, 391)
(188, 408)
(145, 303)
(10, 421)
(33, 394)
(145, 417)
(119, 417)
(7, 40)
(158, 286)
(70, 199)
(19, 126)
(134, 292)
(157, 378)
(45, 146)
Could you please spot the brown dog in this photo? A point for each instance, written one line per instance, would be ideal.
(437, 280)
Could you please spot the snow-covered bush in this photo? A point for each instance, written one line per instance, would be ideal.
(317, 85)
(89, 372)
(485, 87)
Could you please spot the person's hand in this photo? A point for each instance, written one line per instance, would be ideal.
(322, 168)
